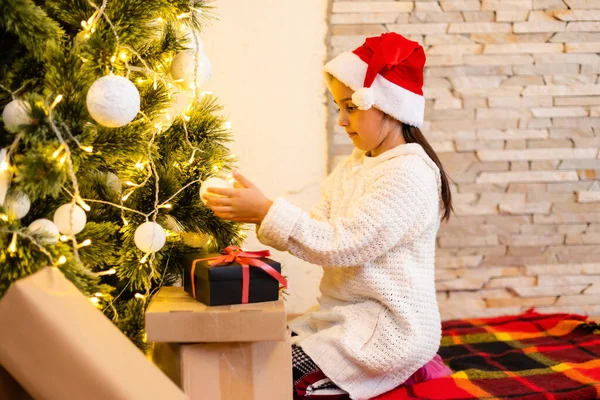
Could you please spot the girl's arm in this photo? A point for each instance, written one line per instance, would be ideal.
(399, 204)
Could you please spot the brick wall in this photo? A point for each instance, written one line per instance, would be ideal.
(513, 109)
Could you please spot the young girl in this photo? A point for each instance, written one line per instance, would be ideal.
(373, 232)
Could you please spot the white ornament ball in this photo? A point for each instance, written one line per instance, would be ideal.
(213, 183)
(183, 67)
(5, 175)
(150, 237)
(17, 112)
(70, 219)
(17, 203)
(113, 101)
(46, 228)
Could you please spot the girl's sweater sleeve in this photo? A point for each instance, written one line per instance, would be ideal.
(396, 206)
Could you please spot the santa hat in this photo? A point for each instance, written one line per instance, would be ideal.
(385, 72)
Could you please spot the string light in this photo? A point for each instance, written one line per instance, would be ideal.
(111, 271)
(227, 125)
(140, 165)
(144, 259)
(64, 238)
(4, 166)
(62, 160)
(123, 56)
(169, 206)
(88, 149)
(94, 300)
(85, 243)
(124, 198)
(4, 217)
(12, 247)
(62, 260)
(58, 151)
(56, 101)
(99, 294)
(139, 296)
(113, 59)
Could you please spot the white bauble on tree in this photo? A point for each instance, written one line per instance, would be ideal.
(150, 237)
(16, 113)
(46, 228)
(214, 182)
(17, 203)
(70, 219)
(113, 101)
(183, 67)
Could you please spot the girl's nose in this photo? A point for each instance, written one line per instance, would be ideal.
(343, 120)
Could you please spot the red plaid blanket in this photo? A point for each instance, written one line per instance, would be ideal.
(525, 357)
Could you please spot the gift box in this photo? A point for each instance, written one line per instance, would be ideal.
(59, 346)
(232, 352)
(229, 371)
(174, 316)
(233, 277)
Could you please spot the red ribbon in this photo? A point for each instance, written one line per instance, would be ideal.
(246, 259)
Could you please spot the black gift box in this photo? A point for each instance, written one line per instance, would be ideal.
(221, 284)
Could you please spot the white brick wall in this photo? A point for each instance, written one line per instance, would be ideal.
(513, 110)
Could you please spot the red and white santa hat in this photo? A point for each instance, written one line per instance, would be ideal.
(385, 72)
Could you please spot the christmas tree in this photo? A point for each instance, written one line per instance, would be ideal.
(106, 139)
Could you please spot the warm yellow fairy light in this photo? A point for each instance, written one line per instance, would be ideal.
(87, 149)
(123, 56)
(166, 206)
(85, 243)
(140, 165)
(64, 238)
(82, 203)
(129, 183)
(184, 15)
(12, 247)
(124, 198)
(113, 59)
(62, 260)
(111, 271)
(144, 259)
(62, 160)
(139, 296)
(99, 294)
(125, 222)
(84, 60)
(4, 217)
(141, 80)
(58, 151)
(56, 101)
(4, 166)
(94, 300)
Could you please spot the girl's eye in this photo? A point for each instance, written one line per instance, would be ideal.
(337, 110)
(350, 108)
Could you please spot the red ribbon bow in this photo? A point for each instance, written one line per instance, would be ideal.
(233, 254)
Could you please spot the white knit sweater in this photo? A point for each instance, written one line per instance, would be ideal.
(374, 234)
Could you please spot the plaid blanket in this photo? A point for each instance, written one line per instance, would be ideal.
(525, 357)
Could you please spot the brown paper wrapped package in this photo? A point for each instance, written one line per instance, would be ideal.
(58, 346)
(175, 316)
(229, 371)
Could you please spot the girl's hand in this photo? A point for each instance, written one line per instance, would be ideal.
(244, 203)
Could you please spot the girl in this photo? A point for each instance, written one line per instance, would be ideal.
(373, 231)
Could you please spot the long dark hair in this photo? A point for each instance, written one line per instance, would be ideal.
(414, 135)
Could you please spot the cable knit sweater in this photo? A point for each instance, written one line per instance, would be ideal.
(374, 234)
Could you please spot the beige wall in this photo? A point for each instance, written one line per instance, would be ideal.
(267, 57)
(514, 110)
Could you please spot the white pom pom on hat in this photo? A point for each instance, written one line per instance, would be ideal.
(385, 72)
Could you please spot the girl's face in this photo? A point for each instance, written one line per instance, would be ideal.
(366, 129)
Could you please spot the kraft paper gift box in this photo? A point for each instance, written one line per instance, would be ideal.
(59, 346)
(234, 352)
